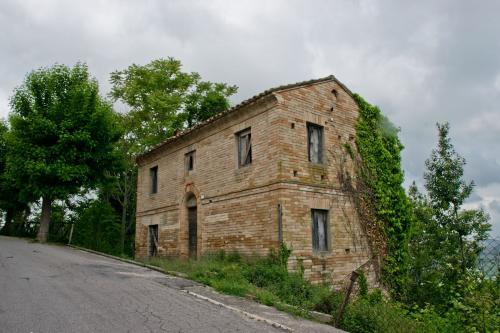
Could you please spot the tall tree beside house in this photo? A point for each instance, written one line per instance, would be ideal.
(120, 192)
(446, 238)
(464, 229)
(62, 136)
(10, 204)
(162, 99)
(4, 195)
(5, 201)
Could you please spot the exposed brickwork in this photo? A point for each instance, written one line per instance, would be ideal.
(237, 208)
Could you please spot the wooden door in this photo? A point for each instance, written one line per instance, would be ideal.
(193, 231)
(153, 240)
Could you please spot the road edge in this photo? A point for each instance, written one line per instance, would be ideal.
(177, 274)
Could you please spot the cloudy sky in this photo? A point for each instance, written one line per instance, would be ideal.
(422, 62)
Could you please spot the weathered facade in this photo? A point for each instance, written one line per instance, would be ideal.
(263, 172)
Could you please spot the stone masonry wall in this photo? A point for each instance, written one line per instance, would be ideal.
(238, 208)
(317, 186)
(232, 202)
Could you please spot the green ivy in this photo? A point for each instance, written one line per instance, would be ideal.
(380, 150)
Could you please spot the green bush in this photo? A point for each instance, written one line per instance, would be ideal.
(97, 227)
(268, 281)
(266, 297)
(265, 274)
(265, 279)
(363, 316)
(327, 301)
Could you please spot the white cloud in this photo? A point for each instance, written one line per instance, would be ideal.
(496, 83)
(421, 62)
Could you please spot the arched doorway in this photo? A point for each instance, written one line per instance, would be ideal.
(192, 213)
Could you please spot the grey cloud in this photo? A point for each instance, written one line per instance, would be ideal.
(422, 62)
(474, 198)
(495, 206)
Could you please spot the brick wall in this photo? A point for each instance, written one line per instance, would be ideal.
(238, 207)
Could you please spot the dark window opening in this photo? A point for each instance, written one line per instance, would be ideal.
(153, 175)
(315, 143)
(190, 161)
(244, 140)
(153, 240)
(320, 230)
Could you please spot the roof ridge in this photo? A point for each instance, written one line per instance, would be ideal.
(242, 104)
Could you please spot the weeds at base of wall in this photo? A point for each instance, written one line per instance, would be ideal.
(268, 281)
(265, 280)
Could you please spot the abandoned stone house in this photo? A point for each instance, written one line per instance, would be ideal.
(265, 171)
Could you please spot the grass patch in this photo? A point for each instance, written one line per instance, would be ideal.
(268, 281)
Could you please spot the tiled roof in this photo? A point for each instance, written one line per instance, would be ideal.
(240, 105)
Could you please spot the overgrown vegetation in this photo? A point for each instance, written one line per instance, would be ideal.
(64, 135)
(268, 281)
(265, 279)
(380, 170)
(79, 155)
(432, 243)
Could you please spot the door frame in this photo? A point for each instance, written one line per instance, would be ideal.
(190, 205)
(153, 231)
(192, 228)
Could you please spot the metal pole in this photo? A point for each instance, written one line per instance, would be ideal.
(280, 224)
(340, 314)
(71, 233)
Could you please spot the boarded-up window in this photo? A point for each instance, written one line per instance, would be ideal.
(244, 141)
(320, 229)
(189, 160)
(153, 240)
(315, 143)
(153, 176)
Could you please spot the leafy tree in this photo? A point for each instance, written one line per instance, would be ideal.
(15, 209)
(426, 273)
(446, 238)
(62, 136)
(164, 99)
(96, 226)
(120, 193)
(463, 229)
(4, 195)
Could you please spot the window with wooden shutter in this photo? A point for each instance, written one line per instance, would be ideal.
(189, 161)
(244, 141)
(315, 143)
(153, 175)
(320, 230)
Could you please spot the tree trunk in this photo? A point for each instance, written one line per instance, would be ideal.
(124, 227)
(43, 231)
(124, 215)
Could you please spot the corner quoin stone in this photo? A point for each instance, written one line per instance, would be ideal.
(237, 207)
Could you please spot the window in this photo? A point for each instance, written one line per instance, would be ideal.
(153, 240)
(153, 175)
(315, 143)
(320, 230)
(189, 160)
(244, 141)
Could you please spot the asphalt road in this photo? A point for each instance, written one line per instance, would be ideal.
(47, 288)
